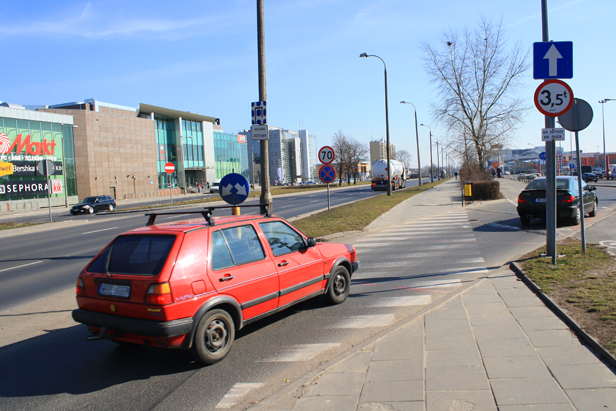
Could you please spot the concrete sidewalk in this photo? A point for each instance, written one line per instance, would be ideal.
(491, 345)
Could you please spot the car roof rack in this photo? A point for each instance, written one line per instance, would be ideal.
(207, 213)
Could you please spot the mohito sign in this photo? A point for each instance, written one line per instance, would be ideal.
(32, 148)
(24, 188)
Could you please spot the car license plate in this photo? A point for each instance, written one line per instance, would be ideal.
(540, 200)
(114, 290)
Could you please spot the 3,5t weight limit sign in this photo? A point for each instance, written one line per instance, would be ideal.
(326, 155)
(553, 98)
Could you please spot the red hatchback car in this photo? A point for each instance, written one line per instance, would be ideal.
(192, 284)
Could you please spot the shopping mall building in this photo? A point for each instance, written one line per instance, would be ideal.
(101, 148)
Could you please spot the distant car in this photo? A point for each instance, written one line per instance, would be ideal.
(532, 200)
(91, 205)
(193, 284)
(214, 188)
(599, 172)
(521, 176)
(590, 177)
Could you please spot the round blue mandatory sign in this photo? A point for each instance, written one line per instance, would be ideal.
(234, 188)
(327, 174)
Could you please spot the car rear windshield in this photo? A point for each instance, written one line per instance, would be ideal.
(134, 255)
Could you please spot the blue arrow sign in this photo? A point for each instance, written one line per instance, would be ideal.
(234, 188)
(542, 156)
(552, 60)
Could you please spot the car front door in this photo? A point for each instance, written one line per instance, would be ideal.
(300, 268)
(240, 268)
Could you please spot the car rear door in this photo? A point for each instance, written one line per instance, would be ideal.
(239, 267)
(300, 268)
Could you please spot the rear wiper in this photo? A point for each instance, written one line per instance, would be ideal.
(108, 260)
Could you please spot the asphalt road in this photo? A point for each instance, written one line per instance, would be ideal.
(402, 268)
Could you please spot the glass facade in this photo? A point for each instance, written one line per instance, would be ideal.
(167, 153)
(192, 146)
(231, 155)
(24, 143)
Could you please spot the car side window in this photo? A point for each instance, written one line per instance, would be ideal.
(282, 238)
(235, 246)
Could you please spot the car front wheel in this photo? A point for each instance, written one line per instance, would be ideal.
(110, 207)
(214, 336)
(91, 210)
(339, 287)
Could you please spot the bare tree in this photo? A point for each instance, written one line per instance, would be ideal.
(349, 153)
(404, 157)
(476, 76)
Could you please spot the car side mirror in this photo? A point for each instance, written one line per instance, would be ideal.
(311, 242)
(590, 188)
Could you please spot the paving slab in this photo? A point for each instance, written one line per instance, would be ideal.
(358, 362)
(535, 311)
(530, 301)
(439, 342)
(545, 407)
(334, 384)
(399, 370)
(392, 406)
(567, 355)
(460, 400)
(593, 399)
(542, 323)
(447, 327)
(481, 308)
(516, 367)
(456, 379)
(552, 338)
(527, 391)
(497, 332)
(392, 391)
(506, 348)
(340, 403)
(502, 319)
(449, 358)
(584, 376)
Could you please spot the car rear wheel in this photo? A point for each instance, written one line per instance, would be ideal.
(575, 220)
(214, 336)
(593, 212)
(339, 287)
(524, 220)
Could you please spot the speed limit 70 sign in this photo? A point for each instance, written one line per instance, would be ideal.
(326, 155)
(553, 98)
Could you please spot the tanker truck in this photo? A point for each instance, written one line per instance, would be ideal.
(379, 175)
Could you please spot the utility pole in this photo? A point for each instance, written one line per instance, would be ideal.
(266, 196)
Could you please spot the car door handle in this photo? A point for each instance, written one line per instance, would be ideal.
(282, 264)
(226, 278)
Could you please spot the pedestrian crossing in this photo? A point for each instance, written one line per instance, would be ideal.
(406, 267)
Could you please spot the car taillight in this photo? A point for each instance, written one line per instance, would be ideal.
(568, 199)
(81, 289)
(158, 294)
(522, 199)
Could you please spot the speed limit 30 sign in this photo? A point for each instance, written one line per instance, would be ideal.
(553, 98)
(326, 155)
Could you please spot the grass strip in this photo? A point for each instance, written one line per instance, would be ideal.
(584, 284)
(8, 226)
(355, 216)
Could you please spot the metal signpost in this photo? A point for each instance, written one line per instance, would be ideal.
(577, 119)
(169, 169)
(46, 168)
(552, 98)
(327, 174)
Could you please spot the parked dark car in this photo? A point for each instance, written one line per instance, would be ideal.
(590, 177)
(532, 200)
(91, 205)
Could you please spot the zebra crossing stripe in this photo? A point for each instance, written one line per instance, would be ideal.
(300, 352)
(437, 283)
(238, 390)
(408, 301)
(365, 321)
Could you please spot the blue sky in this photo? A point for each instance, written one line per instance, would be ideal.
(201, 56)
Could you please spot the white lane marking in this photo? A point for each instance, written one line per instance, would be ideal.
(471, 270)
(98, 231)
(423, 246)
(300, 352)
(238, 390)
(458, 236)
(407, 263)
(408, 301)
(437, 284)
(315, 201)
(410, 229)
(413, 254)
(365, 321)
(20, 266)
(448, 224)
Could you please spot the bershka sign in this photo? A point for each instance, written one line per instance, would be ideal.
(24, 188)
(32, 148)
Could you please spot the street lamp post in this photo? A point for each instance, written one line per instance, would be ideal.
(607, 171)
(416, 139)
(386, 122)
(438, 163)
(431, 169)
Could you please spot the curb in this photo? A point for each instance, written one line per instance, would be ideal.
(581, 334)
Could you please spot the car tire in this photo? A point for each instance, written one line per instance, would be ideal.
(575, 220)
(91, 210)
(524, 220)
(110, 207)
(213, 337)
(339, 286)
(593, 212)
